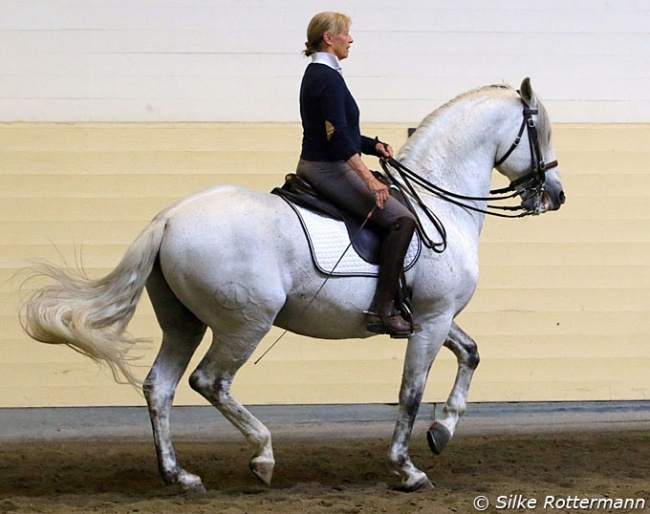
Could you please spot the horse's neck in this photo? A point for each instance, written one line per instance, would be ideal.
(454, 148)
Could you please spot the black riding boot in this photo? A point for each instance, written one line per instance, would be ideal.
(382, 316)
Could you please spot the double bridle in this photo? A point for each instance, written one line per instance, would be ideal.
(537, 177)
(533, 185)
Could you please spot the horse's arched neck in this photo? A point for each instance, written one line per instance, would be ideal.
(455, 146)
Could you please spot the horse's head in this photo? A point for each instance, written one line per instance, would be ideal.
(529, 160)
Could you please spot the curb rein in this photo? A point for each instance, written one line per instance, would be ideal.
(534, 181)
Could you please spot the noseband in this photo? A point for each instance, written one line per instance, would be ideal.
(533, 181)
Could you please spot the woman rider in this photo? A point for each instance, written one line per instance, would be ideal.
(330, 160)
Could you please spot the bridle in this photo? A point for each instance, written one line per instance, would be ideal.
(537, 177)
(532, 183)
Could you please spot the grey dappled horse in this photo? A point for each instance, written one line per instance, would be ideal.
(237, 261)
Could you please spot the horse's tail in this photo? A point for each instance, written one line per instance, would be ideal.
(91, 316)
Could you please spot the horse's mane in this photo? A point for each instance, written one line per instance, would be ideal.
(543, 121)
(474, 92)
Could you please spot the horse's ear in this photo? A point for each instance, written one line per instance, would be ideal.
(527, 93)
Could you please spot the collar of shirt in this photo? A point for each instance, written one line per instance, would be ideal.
(328, 60)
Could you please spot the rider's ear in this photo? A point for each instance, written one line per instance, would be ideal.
(527, 93)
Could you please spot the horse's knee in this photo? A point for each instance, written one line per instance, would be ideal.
(463, 346)
(473, 358)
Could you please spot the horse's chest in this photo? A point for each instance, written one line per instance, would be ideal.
(450, 275)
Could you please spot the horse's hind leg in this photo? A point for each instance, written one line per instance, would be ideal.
(182, 333)
(466, 352)
(213, 378)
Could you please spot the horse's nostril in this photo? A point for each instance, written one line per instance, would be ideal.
(562, 197)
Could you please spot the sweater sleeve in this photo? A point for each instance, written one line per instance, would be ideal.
(368, 146)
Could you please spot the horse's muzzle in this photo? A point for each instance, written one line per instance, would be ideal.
(548, 200)
(555, 199)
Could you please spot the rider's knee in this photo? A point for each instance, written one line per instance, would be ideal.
(403, 224)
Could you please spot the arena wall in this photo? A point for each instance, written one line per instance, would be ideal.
(111, 111)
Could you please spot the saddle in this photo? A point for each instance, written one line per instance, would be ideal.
(367, 241)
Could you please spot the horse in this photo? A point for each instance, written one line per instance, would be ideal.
(237, 261)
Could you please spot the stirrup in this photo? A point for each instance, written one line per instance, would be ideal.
(377, 324)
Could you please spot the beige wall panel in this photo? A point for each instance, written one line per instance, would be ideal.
(561, 312)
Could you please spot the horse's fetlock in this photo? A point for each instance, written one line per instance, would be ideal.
(398, 459)
(170, 476)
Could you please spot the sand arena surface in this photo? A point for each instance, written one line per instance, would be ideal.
(324, 474)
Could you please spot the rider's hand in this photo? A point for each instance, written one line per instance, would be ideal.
(380, 190)
(384, 150)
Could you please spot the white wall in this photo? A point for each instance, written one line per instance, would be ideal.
(230, 60)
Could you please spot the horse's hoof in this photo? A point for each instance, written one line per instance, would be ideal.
(263, 471)
(422, 485)
(197, 488)
(189, 483)
(438, 436)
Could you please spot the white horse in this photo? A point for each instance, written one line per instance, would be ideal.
(237, 261)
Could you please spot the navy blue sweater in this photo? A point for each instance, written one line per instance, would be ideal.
(330, 117)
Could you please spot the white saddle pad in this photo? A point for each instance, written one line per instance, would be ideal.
(328, 239)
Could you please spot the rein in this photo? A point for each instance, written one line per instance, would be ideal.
(533, 181)
(409, 179)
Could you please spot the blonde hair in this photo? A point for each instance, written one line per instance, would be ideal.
(333, 22)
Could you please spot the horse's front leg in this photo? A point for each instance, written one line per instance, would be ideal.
(420, 354)
(466, 352)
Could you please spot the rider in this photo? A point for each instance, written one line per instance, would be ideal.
(330, 160)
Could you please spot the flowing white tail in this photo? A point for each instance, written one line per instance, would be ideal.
(91, 316)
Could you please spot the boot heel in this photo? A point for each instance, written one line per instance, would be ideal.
(395, 326)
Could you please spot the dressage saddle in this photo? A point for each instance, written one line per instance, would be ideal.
(367, 240)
